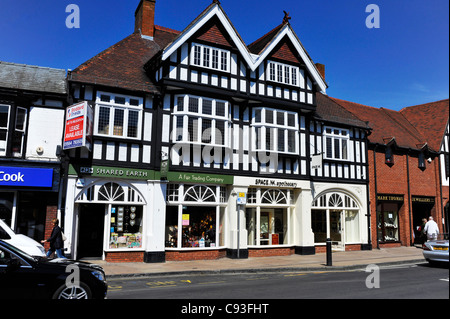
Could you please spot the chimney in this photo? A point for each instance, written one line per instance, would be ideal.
(321, 68)
(145, 18)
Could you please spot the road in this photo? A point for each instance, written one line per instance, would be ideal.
(419, 281)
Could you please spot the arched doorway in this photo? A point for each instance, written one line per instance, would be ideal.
(336, 215)
(110, 217)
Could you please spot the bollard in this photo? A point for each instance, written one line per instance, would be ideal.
(329, 258)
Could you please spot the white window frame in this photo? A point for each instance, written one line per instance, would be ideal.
(182, 115)
(23, 131)
(205, 60)
(113, 106)
(282, 73)
(336, 135)
(4, 143)
(261, 129)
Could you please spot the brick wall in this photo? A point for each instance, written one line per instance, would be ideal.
(124, 257)
(268, 252)
(394, 180)
(52, 212)
(195, 255)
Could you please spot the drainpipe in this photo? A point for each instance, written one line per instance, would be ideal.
(409, 199)
(376, 192)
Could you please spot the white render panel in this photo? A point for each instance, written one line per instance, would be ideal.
(146, 153)
(110, 148)
(194, 76)
(122, 152)
(148, 126)
(165, 128)
(97, 150)
(184, 54)
(183, 74)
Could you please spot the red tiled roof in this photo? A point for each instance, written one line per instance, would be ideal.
(430, 119)
(386, 125)
(122, 65)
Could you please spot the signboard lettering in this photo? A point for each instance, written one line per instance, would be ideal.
(79, 126)
(26, 176)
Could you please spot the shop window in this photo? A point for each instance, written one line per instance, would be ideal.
(125, 227)
(388, 230)
(6, 207)
(118, 116)
(267, 226)
(195, 217)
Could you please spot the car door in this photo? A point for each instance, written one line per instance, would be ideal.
(16, 276)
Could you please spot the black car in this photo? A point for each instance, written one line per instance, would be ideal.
(25, 277)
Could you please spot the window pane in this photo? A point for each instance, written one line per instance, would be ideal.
(280, 118)
(337, 148)
(281, 140)
(287, 75)
(118, 122)
(120, 100)
(179, 132)
(279, 73)
(180, 104)
(329, 147)
(17, 142)
(258, 116)
(272, 72)
(134, 102)
(224, 62)
(197, 50)
(291, 120)
(133, 117)
(103, 120)
(4, 114)
(291, 142)
(207, 107)
(193, 105)
(220, 109)
(215, 59)
(344, 149)
(269, 116)
(105, 98)
(206, 131)
(206, 57)
(220, 132)
(294, 76)
(20, 119)
(193, 129)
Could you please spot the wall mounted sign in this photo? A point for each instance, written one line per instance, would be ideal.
(390, 198)
(422, 199)
(26, 176)
(79, 126)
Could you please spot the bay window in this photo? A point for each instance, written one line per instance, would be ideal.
(275, 131)
(201, 120)
(118, 116)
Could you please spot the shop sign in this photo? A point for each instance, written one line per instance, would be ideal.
(26, 176)
(390, 198)
(274, 183)
(116, 172)
(199, 178)
(422, 199)
(79, 126)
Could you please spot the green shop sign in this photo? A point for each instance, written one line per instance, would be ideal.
(116, 172)
(183, 177)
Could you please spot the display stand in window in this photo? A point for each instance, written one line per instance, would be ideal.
(126, 227)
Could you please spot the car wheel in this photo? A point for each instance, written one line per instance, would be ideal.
(80, 291)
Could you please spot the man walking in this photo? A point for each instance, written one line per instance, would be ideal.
(431, 229)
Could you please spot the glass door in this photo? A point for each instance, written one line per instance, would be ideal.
(337, 229)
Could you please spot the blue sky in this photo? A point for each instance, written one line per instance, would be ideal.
(404, 62)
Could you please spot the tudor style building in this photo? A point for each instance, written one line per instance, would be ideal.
(32, 104)
(205, 147)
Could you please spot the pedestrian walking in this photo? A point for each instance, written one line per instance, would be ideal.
(55, 240)
(431, 229)
(423, 234)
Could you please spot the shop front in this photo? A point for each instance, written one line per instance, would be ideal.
(422, 208)
(29, 198)
(389, 218)
(109, 217)
(196, 216)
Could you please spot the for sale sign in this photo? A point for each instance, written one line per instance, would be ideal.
(79, 126)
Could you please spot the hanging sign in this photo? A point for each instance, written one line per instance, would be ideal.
(242, 198)
(79, 126)
(316, 161)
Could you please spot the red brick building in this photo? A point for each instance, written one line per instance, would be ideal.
(408, 169)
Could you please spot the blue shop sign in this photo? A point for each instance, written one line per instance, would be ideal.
(26, 176)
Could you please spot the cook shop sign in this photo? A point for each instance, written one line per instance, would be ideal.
(79, 126)
(25, 176)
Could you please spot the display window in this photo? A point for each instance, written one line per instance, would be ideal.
(125, 227)
(268, 216)
(195, 216)
(388, 230)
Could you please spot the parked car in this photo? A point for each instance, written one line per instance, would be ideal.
(23, 242)
(436, 250)
(23, 276)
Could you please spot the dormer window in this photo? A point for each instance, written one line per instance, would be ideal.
(210, 57)
(389, 156)
(282, 73)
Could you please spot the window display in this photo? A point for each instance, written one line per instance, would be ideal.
(126, 227)
(387, 224)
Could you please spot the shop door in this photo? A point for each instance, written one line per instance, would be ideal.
(337, 230)
(91, 227)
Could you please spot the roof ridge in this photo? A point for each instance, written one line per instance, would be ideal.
(31, 66)
(162, 28)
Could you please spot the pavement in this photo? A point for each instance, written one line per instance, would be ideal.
(347, 260)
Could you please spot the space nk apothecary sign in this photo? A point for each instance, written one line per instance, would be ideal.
(79, 126)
